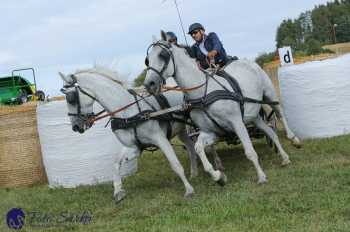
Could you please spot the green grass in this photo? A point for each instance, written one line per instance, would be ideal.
(312, 194)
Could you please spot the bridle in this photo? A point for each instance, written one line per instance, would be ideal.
(73, 98)
(166, 55)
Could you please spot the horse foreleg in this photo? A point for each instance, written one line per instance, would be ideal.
(206, 139)
(273, 136)
(119, 192)
(249, 151)
(162, 142)
(183, 136)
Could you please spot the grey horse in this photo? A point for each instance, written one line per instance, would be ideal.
(104, 86)
(167, 60)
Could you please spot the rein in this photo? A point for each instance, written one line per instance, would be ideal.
(94, 119)
(166, 88)
(184, 90)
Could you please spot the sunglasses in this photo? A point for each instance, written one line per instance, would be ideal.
(193, 33)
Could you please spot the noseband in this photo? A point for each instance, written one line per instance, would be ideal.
(166, 55)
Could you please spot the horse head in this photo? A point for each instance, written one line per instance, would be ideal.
(79, 101)
(161, 64)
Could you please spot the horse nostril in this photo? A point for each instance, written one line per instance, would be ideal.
(151, 84)
(75, 128)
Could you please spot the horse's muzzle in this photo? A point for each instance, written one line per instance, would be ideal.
(77, 128)
(152, 87)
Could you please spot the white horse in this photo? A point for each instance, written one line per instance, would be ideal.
(167, 60)
(100, 84)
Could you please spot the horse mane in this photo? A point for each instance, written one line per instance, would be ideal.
(105, 71)
(187, 48)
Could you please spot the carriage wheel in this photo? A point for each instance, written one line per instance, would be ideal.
(22, 97)
(41, 95)
(193, 133)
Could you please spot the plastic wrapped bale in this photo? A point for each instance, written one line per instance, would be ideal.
(73, 159)
(316, 96)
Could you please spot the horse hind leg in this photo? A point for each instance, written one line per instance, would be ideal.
(273, 136)
(183, 136)
(270, 95)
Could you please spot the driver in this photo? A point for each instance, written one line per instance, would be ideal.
(171, 37)
(207, 49)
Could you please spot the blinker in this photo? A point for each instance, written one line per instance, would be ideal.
(72, 97)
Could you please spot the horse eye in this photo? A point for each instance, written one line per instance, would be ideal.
(146, 61)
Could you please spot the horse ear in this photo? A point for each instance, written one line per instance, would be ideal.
(65, 78)
(163, 35)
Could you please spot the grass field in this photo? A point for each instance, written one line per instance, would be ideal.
(340, 48)
(312, 194)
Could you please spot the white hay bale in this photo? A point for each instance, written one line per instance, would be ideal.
(73, 159)
(316, 96)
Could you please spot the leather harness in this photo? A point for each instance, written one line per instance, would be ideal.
(209, 98)
(142, 116)
(224, 94)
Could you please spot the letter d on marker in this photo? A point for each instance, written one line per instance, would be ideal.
(286, 57)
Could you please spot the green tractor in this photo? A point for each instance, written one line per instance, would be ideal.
(16, 89)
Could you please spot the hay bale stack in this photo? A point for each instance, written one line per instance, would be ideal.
(20, 153)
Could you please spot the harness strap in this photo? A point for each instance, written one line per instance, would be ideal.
(235, 87)
(164, 104)
(264, 102)
(212, 97)
(135, 128)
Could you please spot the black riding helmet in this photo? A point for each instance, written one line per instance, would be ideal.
(195, 26)
(171, 36)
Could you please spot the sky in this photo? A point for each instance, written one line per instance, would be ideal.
(53, 36)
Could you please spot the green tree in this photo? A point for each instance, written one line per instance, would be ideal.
(265, 58)
(313, 47)
(343, 29)
(318, 24)
(140, 79)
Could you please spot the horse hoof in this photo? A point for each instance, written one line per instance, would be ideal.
(296, 142)
(223, 180)
(285, 162)
(262, 181)
(221, 168)
(119, 196)
(189, 195)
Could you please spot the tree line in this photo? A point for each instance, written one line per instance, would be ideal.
(326, 24)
